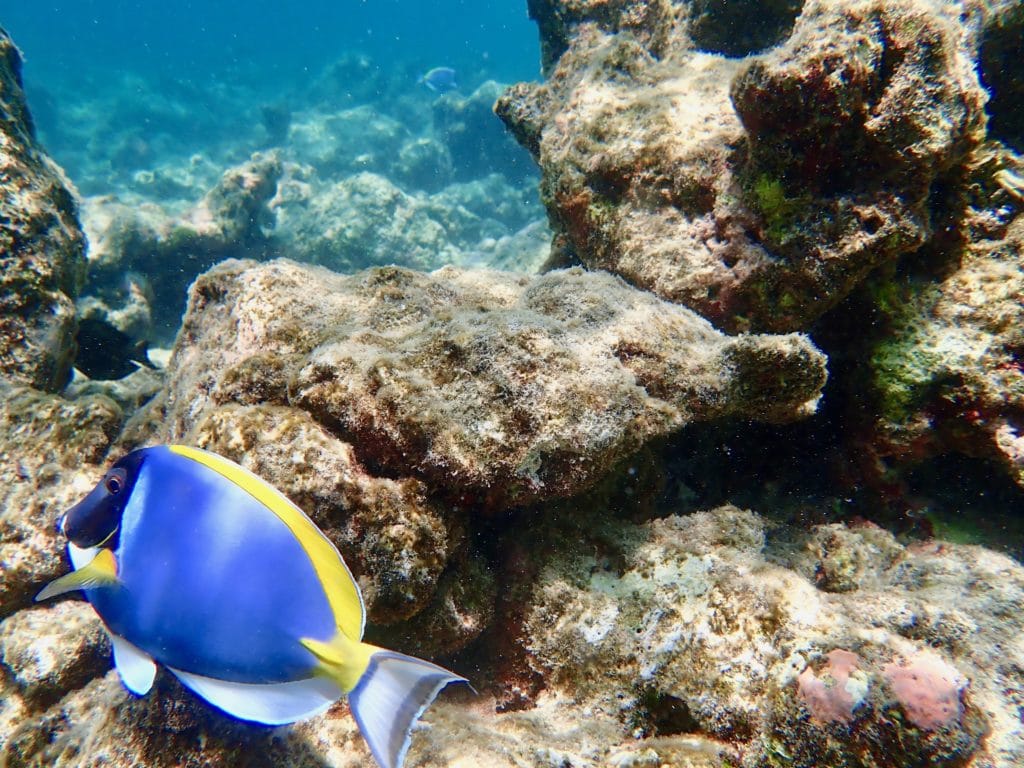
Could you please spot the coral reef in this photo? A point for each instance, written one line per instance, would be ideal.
(853, 158)
(341, 143)
(247, 379)
(363, 219)
(758, 193)
(315, 206)
(132, 244)
(499, 455)
(42, 250)
(685, 641)
(694, 625)
(493, 389)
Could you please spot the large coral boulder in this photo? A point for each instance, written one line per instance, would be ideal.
(392, 404)
(758, 192)
(42, 249)
(492, 388)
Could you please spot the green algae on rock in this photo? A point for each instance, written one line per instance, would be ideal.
(953, 348)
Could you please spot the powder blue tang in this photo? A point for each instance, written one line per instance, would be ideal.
(195, 563)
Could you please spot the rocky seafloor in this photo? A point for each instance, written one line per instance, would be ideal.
(725, 468)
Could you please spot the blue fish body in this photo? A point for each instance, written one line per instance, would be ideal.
(440, 80)
(206, 570)
(197, 564)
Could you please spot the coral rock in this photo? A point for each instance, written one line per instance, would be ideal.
(359, 221)
(49, 452)
(558, 21)
(949, 375)
(720, 184)
(171, 248)
(50, 651)
(489, 387)
(42, 248)
(692, 625)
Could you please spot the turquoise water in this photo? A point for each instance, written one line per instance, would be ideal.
(277, 43)
(116, 87)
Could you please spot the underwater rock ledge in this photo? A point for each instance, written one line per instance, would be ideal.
(395, 405)
(494, 389)
(848, 649)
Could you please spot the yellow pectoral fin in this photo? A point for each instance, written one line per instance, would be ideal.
(101, 571)
(341, 659)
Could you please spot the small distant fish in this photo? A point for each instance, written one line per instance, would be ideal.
(440, 80)
(104, 352)
(196, 563)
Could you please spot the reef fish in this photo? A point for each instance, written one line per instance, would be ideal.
(440, 79)
(104, 352)
(196, 563)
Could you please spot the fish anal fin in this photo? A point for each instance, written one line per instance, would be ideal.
(267, 703)
(101, 571)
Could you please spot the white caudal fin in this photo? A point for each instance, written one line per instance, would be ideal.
(390, 697)
(267, 703)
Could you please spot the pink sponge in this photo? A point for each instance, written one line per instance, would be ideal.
(831, 700)
(928, 689)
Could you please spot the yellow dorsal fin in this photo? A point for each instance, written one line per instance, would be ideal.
(341, 660)
(337, 581)
(101, 571)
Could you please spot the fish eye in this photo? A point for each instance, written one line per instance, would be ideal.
(115, 481)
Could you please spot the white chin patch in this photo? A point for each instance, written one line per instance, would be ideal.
(81, 557)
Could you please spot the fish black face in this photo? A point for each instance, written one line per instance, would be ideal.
(96, 518)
